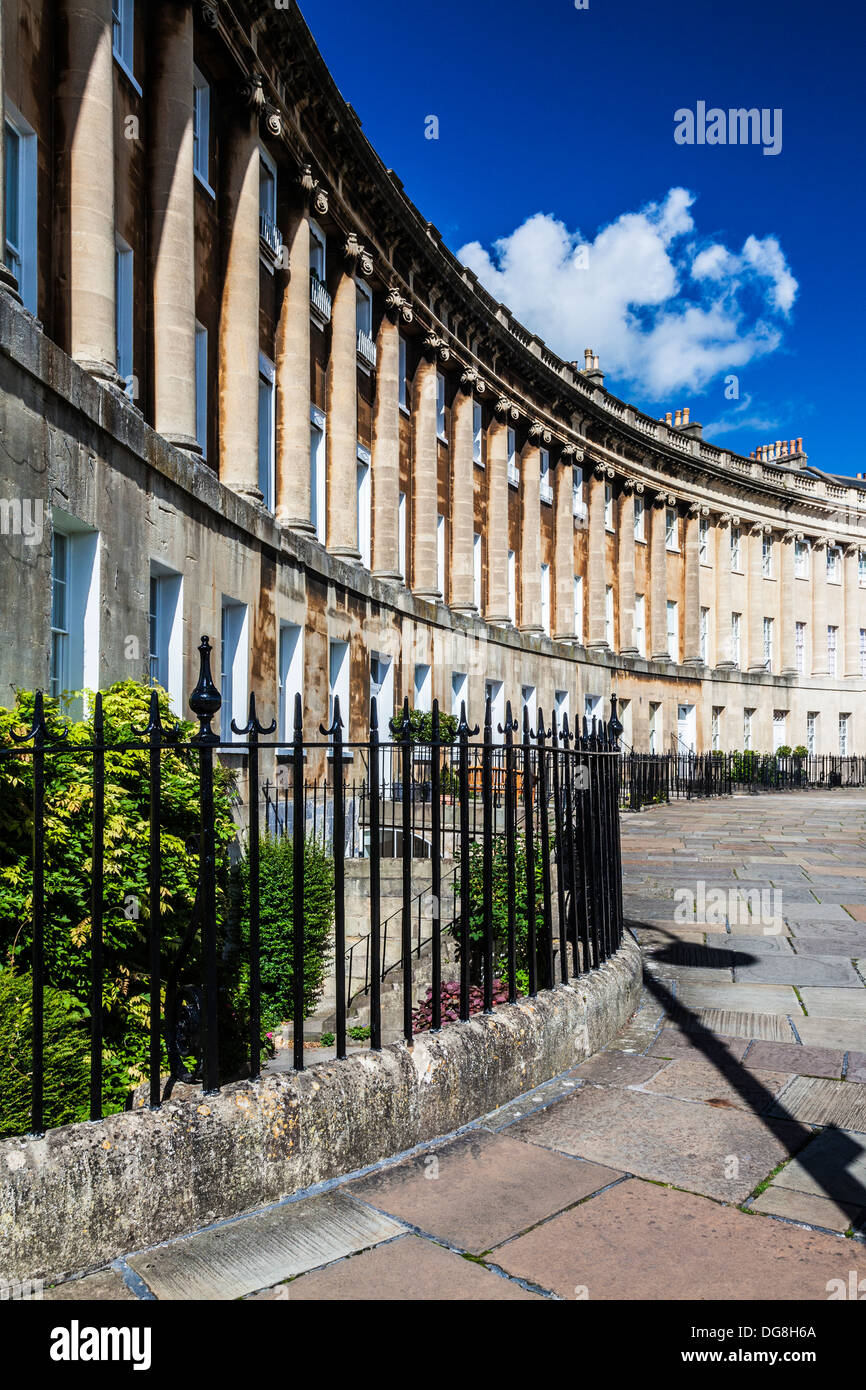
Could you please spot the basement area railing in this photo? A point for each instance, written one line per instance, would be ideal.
(524, 821)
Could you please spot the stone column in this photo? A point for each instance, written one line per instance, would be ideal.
(424, 478)
(724, 646)
(851, 625)
(818, 560)
(756, 598)
(625, 568)
(342, 418)
(386, 440)
(595, 567)
(173, 225)
(530, 531)
(292, 370)
(692, 651)
(659, 580)
(787, 646)
(563, 524)
(86, 110)
(7, 279)
(463, 495)
(497, 519)
(239, 313)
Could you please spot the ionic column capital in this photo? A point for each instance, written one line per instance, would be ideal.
(539, 433)
(398, 306)
(791, 535)
(506, 409)
(357, 257)
(436, 348)
(604, 470)
(729, 519)
(698, 509)
(471, 382)
(664, 499)
(571, 453)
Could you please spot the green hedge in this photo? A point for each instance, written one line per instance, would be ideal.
(500, 912)
(276, 917)
(66, 1080)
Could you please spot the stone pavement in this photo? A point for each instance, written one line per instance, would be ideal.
(715, 1150)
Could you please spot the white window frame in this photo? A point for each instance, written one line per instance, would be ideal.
(511, 451)
(704, 540)
(382, 689)
(811, 730)
(578, 500)
(578, 608)
(267, 254)
(422, 687)
(639, 520)
(801, 559)
(338, 686)
(768, 634)
(201, 105)
(402, 374)
(366, 345)
(655, 725)
(494, 691)
(364, 490)
(319, 253)
(545, 598)
(800, 648)
(844, 734)
(561, 707)
(59, 666)
(672, 540)
(124, 285)
(736, 637)
(863, 651)
(672, 617)
(22, 257)
(832, 648)
(478, 433)
(736, 536)
(528, 702)
(290, 678)
(459, 692)
(512, 586)
(640, 623)
(123, 38)
(440, 408)
(267, 432)
(767, 557)
(780, 729)
(402, 535)
(834, 566)
(477, 570)
(716, 727)
(440, 554)
(748, 729)
(166, 615)
(234, 667)
(608, 616)
(861, 568)
(608, 507)
(318, 474)
(705, 635)
(546, 490)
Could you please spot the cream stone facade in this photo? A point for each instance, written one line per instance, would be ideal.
(249, 392)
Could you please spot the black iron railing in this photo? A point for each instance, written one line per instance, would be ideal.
(525, 822)
(652, 778)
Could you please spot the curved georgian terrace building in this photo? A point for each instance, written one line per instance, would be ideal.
(249, 392)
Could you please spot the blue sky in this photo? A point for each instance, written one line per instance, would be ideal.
(557, 177)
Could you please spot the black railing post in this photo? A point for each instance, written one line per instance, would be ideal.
(375, 885)
(529, 842)
(154, 733)
(205, 702)
(253, 728)
(510, 862)
(436, 881)
(558, 852)
(37, 1118)
(463, 732)
(298, 868)
(96, 910)
(487, 858)
(544, 834)
(339, 847)
(407, 847)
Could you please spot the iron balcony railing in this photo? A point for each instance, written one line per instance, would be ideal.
(366, 349)
(270, 236)
(650, 778)
(320, 299)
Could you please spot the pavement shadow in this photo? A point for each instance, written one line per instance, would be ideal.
(791, 1133)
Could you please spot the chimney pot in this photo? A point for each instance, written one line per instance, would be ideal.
(668, 418)
(678, 418)
(587, 356)
(595, 361)
(800, 445)
(686, 413)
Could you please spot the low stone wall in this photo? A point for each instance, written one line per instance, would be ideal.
(86, 1193)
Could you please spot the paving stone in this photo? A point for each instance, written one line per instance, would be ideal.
(668, 1140)
(822, 1002)
(639, 1241)
(846, 1033)
(799, 970)
(856, 1067)
(673, 1043)
(257, 1251)
(764, 999)
(791, 1057)
(400, 1270)
(107, 1285)
(481, 1188)
(833, 1165)
(774, 943)
(814, 912)
(817, 1101)
(738, 1023)
(722, 1082)
(856, 910)
(850, 945)
(804, 1206)
(617, 1069)
(534, 1100)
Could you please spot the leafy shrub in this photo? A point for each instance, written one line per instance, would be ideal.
(328, 1039)
(500, 911)
(359, 1033)
(801, 751)
(68, 866)
(421, 726)
(783, 751)
(277, 963)
(66, 1077)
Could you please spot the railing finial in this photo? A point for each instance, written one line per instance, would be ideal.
(205, 701)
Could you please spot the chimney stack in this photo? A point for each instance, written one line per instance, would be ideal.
(678, 419)
(592, 370)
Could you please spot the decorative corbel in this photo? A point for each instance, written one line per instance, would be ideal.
(209, 13)
(539, 433)
(252, 93)
(507, 409)
(436, 348)
(357, 256)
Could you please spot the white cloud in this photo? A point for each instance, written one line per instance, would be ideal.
(664, 309)
(738, 418)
